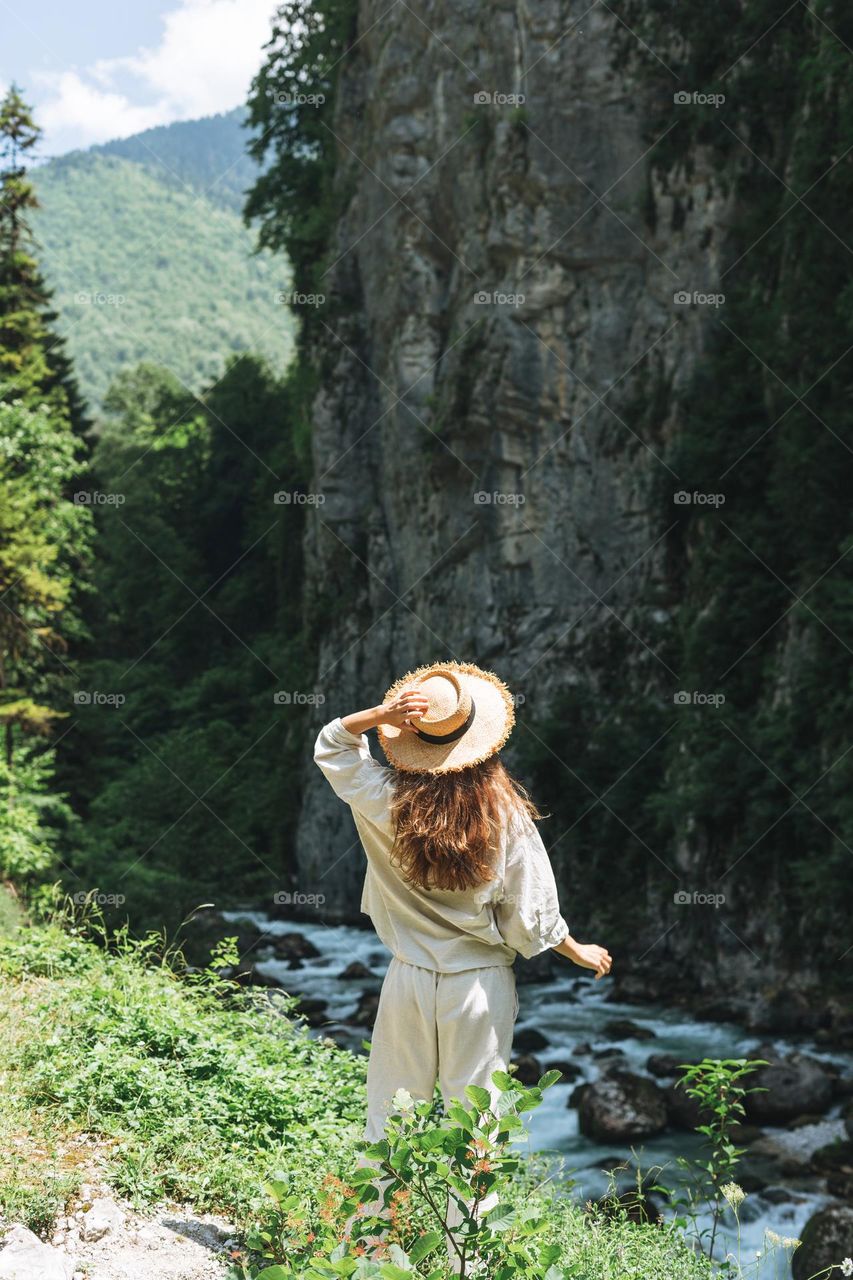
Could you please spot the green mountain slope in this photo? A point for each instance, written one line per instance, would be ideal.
(145, 268)
(208, 155)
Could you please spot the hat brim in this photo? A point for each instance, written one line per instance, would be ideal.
(493, 722)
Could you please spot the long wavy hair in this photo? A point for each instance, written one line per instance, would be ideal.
(448, 824)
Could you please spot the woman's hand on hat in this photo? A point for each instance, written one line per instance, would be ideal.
(408, 705)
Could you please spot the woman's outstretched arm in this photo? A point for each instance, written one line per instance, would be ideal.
(586, 954)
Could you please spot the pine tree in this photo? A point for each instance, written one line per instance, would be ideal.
(34, 366)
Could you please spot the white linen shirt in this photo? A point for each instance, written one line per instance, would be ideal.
(446, 930)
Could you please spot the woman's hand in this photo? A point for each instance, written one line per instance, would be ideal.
(587, 955)
(408, 705)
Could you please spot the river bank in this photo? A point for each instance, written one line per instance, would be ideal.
(617, 1104)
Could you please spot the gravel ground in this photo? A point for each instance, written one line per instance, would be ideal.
(105, 1239)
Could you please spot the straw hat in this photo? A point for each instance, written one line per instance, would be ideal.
(469, 718)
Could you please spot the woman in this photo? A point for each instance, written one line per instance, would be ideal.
(458, 880)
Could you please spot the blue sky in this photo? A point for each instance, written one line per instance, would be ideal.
(97, 69)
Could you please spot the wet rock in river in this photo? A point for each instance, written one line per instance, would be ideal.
(368, 1006)
(826, 1239)
(251, 976)
(528, 1068)
(356, 970)
(294, 946)
(621, 1106)
(568, 1070)
(663, 1064)
(792, 1085)
(834, 1158)
(610, 1054)
(684, 1112)
(529, 1040)
(625, 1029)
(313, 1010)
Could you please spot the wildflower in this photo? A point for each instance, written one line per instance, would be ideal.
(847, 1267)
(403, 1100)
(733, 1194)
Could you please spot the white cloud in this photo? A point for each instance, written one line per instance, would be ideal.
(208, 53)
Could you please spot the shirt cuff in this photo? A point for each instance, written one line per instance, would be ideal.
(555, 935)
(336, 730)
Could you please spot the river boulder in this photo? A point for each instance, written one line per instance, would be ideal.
(625, 1029)
(294, 946)
(663, 1064)
(528, 1069)
(621, 1106)
(529, 1040)
(827, 1238)
(792, 1086)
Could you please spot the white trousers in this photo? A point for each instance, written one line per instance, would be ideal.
(454, 1028)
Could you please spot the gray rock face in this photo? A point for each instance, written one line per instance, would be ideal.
(486, 465)
(621, 1106)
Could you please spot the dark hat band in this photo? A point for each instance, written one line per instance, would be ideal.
(441, 738)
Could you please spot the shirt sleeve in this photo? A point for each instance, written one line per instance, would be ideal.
(354, 775)
(527, 911)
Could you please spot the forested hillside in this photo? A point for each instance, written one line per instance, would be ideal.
(149, 260)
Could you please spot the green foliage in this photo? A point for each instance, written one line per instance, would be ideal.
(44, 549)
(717, 1085)
(450, 1194)
(201, 1090)
(296, 200)
(194, 631)
(144, 268)
(33, 363)
(208, 156)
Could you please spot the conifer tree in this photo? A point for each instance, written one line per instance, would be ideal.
(34, 366)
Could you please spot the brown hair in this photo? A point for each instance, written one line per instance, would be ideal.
(447, 823)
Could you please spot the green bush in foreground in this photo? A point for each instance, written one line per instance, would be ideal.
(390, 1218)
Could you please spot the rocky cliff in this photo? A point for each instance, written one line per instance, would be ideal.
(523, 361)
(498, 390)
